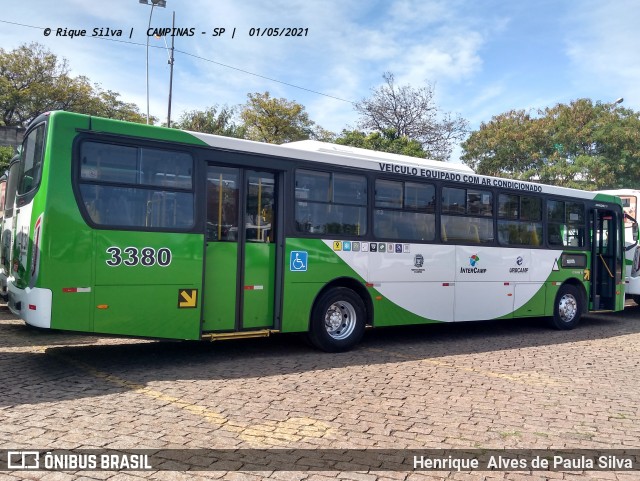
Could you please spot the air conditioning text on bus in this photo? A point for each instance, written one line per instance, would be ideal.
(458, 177)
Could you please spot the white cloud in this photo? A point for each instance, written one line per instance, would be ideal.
(451, 57)
(348, 46)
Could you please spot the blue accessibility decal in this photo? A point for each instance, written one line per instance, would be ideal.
(298, 261)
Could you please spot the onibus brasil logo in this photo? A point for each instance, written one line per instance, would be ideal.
(474, 269)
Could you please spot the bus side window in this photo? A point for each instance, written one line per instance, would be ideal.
(555, 236)
(117, 206)
(534, 238)
(384, 225)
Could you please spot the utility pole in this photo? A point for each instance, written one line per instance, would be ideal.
(173, 25)
(154, 3)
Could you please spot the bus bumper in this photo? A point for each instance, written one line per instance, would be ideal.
(32, 305)
(632, 286)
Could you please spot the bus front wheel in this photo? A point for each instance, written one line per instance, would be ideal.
(568, 308)
(337, 320)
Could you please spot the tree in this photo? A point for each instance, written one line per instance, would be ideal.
(506, 146)
(6, 154)
(411, 113)
(106, 103)
(583, 144)
(33, 80)
(277, 121)
(212, 120)
(385, 141)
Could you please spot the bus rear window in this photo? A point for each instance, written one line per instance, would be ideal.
(136, 187)
(31, 161)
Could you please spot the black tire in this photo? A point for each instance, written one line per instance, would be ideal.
(337, 320)
(568, 308)
(636, 299)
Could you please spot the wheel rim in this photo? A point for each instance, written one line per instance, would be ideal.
(340, 320)
(567, 308)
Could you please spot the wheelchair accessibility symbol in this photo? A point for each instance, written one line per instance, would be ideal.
(298, 261)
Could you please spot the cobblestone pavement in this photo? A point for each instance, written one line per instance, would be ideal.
(488, 385)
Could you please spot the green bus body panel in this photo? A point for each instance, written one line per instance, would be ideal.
(302, 288)
(141, 130)
(149, 298)
(145, 310)
(386, 313)
(67, 244)
(537, 305)
(67, 249)
(219, 299)
(259, 281)
(142, 301)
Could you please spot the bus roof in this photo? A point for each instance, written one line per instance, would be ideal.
(619, 192)
(336, 155)
(356, 152)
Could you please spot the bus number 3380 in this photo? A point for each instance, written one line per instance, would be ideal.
(132, 256)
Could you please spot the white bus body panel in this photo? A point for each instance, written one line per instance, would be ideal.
(454, 283)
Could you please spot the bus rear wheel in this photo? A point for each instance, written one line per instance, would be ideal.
(568, 308)
(337, 320)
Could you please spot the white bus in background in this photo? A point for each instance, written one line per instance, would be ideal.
(630, 201)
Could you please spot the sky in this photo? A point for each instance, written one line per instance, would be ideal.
(482, 57)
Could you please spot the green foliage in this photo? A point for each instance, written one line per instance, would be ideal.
(6, 153)
(106, 103)
(213, 120)
(582, 145)
(34, 80)
(277, 121)
(385, 141)
(506, 146)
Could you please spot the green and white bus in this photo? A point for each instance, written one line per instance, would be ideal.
(6, 225)
(137, 230)
(3, 196)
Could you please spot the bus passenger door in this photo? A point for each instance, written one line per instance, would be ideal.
(606, 259)
(240, 258)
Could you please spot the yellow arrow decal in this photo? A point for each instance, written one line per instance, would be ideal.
(187, 298)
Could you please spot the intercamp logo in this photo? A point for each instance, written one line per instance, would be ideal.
(474, 269)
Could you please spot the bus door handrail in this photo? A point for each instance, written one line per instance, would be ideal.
(605, 265)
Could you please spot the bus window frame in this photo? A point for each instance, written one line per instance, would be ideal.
(586, 207)
(326, 169)
(26, 197)
(121, 140)
(372, 177)
(376, 209)
(11, 182)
